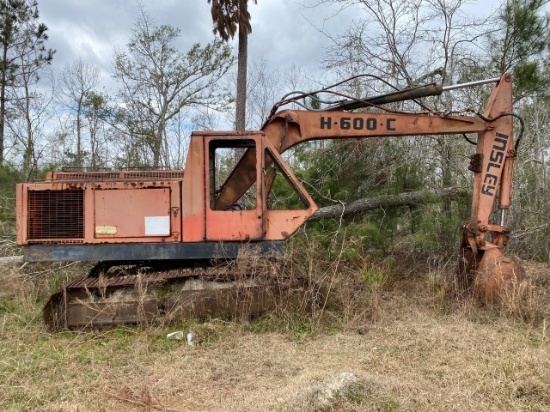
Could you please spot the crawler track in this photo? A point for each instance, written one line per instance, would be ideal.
(164, 295)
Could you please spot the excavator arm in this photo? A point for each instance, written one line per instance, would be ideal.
(483, 265)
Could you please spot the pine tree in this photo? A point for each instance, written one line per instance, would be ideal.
(521, 46)
(20, 35)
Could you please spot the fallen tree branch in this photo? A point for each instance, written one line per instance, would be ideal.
(530, 231)
(403, 199)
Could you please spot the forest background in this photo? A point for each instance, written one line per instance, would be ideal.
(387, 335)
(141, 116)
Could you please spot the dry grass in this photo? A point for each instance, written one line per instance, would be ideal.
(372, 341)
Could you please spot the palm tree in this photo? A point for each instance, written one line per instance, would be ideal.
(227, 15)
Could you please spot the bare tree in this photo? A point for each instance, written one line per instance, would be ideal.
(96, 112)
(268, 85)
(31, 110)
(77, 82)
(158, 82)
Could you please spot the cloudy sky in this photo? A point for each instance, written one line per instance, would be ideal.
(285, 32)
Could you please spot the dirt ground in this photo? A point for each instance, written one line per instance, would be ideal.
(417, 352)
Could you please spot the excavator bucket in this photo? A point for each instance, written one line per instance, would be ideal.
(492, 275)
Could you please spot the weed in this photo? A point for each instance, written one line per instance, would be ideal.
(523, 301)
(416, 342)
(376, 277)
(355, 394)
(359, 394)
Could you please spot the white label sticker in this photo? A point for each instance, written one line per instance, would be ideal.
(105, 230)
(157, 225)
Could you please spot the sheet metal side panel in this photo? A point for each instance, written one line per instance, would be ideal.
(193, 192)
(89, 217)
(90, 188)
(21, 213)
(280, 224)
(235, 225)
(125, 211)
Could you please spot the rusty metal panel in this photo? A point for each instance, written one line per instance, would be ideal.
(235, 225)
(280, 224)
(193, 192)
(21, 214)
(100, 176)
(82, 313)
(67, 212)
(132, 213)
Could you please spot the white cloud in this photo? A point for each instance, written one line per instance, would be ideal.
(285, 33)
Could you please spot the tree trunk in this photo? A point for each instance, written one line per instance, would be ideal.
(240, 115)
(29, 157)
(402, 199)
(78, 159)
(2, 119)
(447, 178)
(157, 142)
(3, 82)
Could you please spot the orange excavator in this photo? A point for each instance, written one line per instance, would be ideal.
(169, 224)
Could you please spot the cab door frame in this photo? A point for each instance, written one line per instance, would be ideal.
(237, 222)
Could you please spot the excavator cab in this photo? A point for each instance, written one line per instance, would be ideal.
(256, 214)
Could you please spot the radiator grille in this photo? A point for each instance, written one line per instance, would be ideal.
(56, 214)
